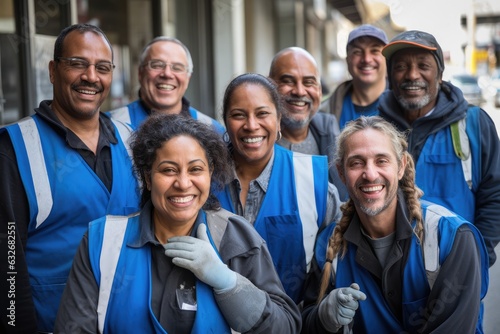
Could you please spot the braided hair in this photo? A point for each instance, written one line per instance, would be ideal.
(337, 245)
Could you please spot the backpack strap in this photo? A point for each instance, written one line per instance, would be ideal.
(462, 148)
(121, 114)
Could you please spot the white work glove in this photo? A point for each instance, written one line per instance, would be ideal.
(339, 307)
(199, 257)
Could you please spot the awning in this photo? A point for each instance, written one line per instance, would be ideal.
(351, 9)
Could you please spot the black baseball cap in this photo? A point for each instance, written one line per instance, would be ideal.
(414, 39)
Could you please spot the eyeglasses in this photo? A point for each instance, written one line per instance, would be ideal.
(79, 64)
(159, 65)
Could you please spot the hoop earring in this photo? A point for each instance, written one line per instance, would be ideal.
(279, 136)
(225, 138)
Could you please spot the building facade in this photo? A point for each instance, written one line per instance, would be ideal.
(226, 38)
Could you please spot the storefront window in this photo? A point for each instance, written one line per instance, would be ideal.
(112, 17)
(51, 16)
(9, 65)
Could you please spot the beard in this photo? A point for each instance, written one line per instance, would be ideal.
(289, 122)
(419, 104)
(293, 120)
(364, 205)
(414, 105)
(372, 212)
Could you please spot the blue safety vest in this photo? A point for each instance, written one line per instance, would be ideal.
(440, 227)
(445, 178)
(123, 274)
(64, 195)
(291, 214)
(135, 114)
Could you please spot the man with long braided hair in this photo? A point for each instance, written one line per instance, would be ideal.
(394, 263)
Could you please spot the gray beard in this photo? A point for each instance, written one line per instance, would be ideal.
(407, 105)
(294, 124)
(373, 212)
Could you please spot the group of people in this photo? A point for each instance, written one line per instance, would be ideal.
(373, 211)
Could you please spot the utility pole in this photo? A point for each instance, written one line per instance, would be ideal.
(470, 50)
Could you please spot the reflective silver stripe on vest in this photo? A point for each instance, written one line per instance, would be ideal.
(114, 232)
(38, 169)
(431, 252)
(125, 132)
(203, 118)
(121, 114)
(431, 242)
(304, 186)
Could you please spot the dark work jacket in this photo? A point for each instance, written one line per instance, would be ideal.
(325, 129)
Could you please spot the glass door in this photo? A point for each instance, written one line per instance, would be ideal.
(9, 65)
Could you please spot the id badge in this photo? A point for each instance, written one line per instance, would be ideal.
(186, 299)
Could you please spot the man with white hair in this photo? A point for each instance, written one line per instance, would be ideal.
(165, 68)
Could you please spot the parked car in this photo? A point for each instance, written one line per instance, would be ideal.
(493, 88)
(469, 86)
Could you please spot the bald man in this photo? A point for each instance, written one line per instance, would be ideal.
(303, 128)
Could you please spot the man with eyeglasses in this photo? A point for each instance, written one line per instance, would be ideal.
(60, 169)
(165, 68)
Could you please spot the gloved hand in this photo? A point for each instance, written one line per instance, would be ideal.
(199, 257)
(339, 307)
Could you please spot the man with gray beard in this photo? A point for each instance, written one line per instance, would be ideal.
(455, 145)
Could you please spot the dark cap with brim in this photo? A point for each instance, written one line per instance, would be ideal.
(414, 39)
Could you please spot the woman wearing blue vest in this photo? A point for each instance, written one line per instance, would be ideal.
(284, 194)
(181, 265)
(394, 263)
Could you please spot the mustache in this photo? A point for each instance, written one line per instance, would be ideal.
(408, 84)
(298, 99)
(365, 183)
(86, 84)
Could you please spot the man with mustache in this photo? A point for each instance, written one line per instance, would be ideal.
(455, 145)
(61, 168)
(303, 128)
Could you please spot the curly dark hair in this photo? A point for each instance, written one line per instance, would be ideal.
(160, 128)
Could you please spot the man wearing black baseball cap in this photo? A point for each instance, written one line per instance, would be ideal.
(455, 145)
(417, 39)
(366, 65)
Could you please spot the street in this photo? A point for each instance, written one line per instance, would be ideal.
(492, 300)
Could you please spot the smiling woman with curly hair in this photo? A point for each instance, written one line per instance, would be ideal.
(182, 264)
